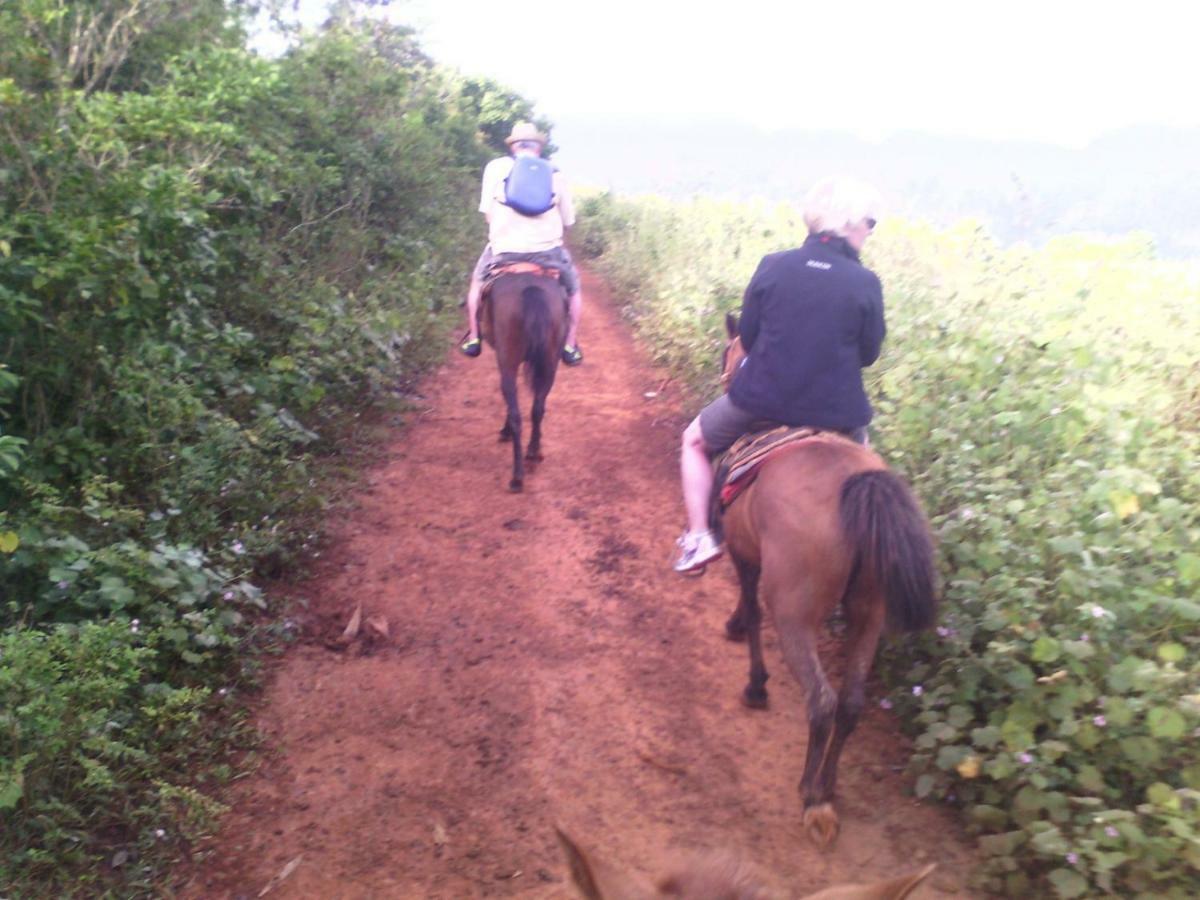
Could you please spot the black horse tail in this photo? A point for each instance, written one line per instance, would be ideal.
(883, 522)
(540, 351)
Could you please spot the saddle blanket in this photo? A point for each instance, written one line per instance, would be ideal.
(737, 469)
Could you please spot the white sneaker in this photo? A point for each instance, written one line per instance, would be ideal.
(696, 549)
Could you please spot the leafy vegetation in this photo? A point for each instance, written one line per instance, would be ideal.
(211, 264)
(1044, 405)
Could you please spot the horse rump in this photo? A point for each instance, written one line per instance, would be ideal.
(892, 544)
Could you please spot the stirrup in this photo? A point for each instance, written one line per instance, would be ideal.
(471, 347)
(572, 356)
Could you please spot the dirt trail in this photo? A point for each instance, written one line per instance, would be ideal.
(544, 665)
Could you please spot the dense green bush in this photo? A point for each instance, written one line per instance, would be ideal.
(1043, 404)
(211, 265)
(93, 746)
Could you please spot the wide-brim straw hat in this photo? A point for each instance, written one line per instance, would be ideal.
(525, 131)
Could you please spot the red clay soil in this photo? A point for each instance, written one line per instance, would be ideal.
(543, 664)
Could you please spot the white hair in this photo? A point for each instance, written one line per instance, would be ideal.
(838, 203)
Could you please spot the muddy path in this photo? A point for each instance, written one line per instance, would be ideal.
(542, 665)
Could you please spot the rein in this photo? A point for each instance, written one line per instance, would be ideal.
(731, 358)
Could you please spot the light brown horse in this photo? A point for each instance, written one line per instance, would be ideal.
(825, 522)
(523, 318)
(710, 877)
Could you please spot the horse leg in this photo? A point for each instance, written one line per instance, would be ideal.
(797, 629)
(506, 433)
(508, 387)
(735, 625)
(866, 613)
(746, 622)
(534, 453)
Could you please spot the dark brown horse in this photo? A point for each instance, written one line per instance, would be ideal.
(825, 522)
(524, 320)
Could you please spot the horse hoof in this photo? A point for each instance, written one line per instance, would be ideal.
(821, 825)
(516, 485)
(752, 699)
(534, 457)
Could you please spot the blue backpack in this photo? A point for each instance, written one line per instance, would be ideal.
(529, 187)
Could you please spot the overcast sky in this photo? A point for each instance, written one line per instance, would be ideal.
(1060, 71)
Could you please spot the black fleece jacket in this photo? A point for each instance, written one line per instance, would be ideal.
(812, 319)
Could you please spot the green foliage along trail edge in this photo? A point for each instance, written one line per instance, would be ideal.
(1044, 405)
(211, 266)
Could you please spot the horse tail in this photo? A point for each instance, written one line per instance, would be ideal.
(539, 333)
(883, 522)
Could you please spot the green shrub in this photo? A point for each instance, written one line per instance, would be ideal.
(92, 750)
(211, 266)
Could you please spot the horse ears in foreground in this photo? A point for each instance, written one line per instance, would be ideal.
(888, 889)
(710, 878)
(595, 880)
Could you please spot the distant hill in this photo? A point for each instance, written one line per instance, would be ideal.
(1136, 179)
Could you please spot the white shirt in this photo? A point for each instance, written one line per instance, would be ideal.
(511, 232)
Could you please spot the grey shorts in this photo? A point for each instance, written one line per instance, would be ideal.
(558, 258)
(722, 422)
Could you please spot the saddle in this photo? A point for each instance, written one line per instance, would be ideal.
(736, 469)
(517, 267)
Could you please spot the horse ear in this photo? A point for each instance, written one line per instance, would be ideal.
(594, 879)
(889, 889)
(731, 325)
(580, 866)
